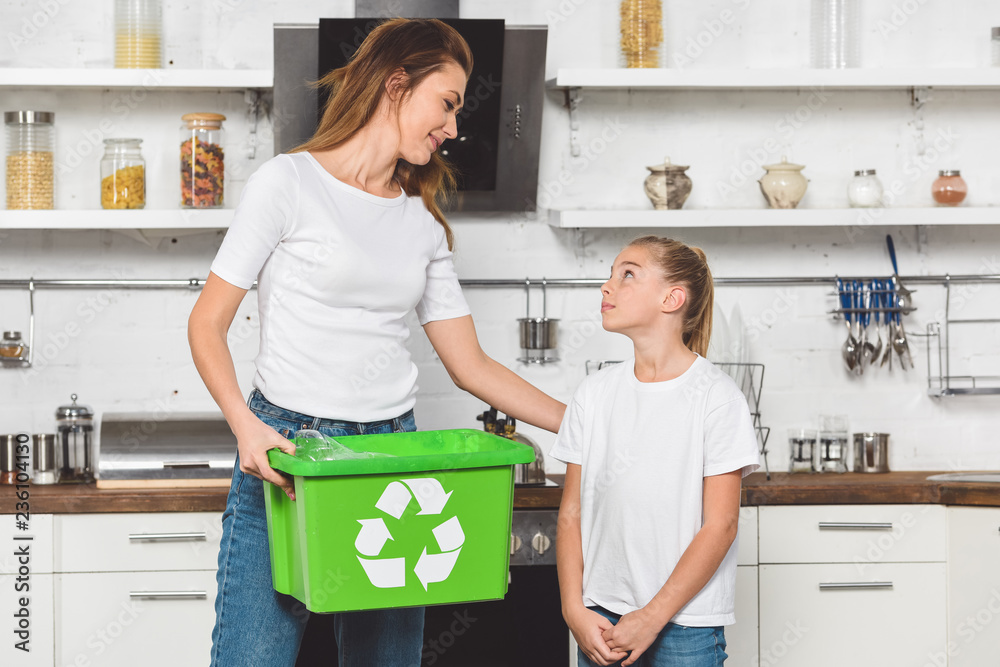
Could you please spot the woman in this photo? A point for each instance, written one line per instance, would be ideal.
(345, 237)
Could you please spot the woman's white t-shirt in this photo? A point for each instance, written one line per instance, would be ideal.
(337, 270)
(644, 449)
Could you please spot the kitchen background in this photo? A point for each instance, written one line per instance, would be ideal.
(127, 350)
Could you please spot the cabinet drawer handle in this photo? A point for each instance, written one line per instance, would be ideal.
(165, 537)
(841, 585)
(853, 525)
(168, 595)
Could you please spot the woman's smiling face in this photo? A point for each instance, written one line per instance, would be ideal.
(427, 116)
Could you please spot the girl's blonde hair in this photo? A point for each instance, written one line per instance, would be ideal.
(688, 266)
(419, 47)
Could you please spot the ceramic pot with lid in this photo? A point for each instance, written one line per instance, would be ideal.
(667, 186)
(783, 185)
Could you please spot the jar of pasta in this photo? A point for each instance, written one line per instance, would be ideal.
(30, 140)
(641, 25)
(138, 34)
(202, 160)
(123, 174)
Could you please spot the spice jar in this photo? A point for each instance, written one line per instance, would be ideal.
(865, 190)
(202, 161)
(12, 346)
(8, 458)
(123, 174)
(138, 34)
(949, 189)
(641, 32)
(30, 139)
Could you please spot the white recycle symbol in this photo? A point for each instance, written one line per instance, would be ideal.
(430, 568)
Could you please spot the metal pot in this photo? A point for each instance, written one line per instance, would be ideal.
(525, 474)
(871, 452)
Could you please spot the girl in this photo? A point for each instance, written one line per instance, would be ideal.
(656, 448)
(344, 237)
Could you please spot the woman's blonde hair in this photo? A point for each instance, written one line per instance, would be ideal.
(688, 266)
(419, 47)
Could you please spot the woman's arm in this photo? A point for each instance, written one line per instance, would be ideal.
(587, 626)
(471, 369)
(721, 508)
(208, 326)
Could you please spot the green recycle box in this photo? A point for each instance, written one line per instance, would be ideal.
(428, 524)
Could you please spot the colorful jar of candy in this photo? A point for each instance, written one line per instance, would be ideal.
(202, 160)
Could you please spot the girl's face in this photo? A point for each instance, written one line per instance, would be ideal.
(428, 115)
(636, 296)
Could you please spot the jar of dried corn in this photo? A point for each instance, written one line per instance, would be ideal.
(30, 140)
(641, 32)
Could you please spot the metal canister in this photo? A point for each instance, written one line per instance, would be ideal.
(871, 452)
(75, 427)
(44, 452)
(8, 458)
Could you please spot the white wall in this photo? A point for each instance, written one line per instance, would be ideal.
(131, 351)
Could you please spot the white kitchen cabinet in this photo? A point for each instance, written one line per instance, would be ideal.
(830, 615)
(973, 586)
(852, 584)
(123, 619)
(134, 588)
(742, 638)
(135, 541)
(860, 534)
(32, 585)
(39, 620)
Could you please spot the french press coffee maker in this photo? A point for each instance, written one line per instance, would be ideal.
(75, 436)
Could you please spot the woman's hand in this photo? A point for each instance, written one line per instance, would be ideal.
(635, 632)
(254, 439)
(587, 627)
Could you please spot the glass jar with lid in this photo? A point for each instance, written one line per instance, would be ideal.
(12, 346)
(123, 174)
(30, 142)
(865, 190)
(949, 189)
(202, 160)
(138, 34)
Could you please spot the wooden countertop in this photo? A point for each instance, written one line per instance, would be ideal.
(87, 498)
(909, 487)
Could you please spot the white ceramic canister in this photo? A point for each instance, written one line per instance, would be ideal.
(783, 185)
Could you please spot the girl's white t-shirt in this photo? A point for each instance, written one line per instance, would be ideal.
(644, 450)
(337, 270)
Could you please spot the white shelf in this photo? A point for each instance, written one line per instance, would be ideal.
(837, 217)
(101, 219)
(665, 78)
(167, 79)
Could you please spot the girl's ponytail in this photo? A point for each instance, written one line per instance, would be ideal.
(687, 265)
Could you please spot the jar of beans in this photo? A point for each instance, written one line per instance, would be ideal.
(123, 174)
(30, 140)
(202, 160)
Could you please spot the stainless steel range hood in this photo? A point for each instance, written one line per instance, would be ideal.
(522, 95)
(155, 450)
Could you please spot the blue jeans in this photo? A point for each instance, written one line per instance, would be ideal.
(676, 646)
(254, 625)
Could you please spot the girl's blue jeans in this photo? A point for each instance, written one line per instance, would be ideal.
(675, 646)
(254, 625)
